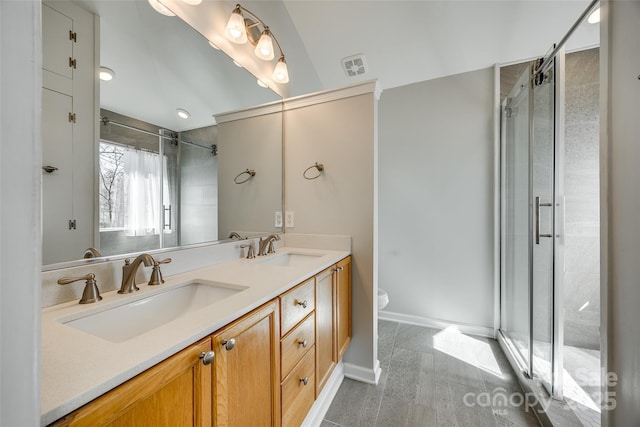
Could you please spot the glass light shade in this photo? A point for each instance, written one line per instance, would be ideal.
(236, 31)
(160, 8)
(281, 73)
(106, 74)
(182, 113)
(192, 2)
(594, 18)
(264, 48)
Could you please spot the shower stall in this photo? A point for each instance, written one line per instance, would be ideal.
(539, 219)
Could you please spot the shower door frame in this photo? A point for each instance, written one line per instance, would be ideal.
(554, 387)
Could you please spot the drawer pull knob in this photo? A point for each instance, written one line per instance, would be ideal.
(304, 303)
(229, 344)
(207, 358)
(303, 343)
(304, 380)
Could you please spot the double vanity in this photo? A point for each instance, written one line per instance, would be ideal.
(242, 342)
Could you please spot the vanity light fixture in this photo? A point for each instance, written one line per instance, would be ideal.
(182, 113)
(594, 18)
(106, 74)
(160, 8)
(241, 29)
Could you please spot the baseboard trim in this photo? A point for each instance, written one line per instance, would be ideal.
(362, 374)
(465, 328)
(323, 402)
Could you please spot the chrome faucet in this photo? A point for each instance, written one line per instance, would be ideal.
(266, 245)
(129, 270)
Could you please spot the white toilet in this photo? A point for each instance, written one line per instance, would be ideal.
(383, 299)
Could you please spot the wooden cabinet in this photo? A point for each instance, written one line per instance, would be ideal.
(325, 354)
(298, 391)
(176, 392)
(342, 306)
(247, 370)
(269, 367)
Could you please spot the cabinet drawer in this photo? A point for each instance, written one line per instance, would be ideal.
(298, 397)
(297, 343)
(296, 304)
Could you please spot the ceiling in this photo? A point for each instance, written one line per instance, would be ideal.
(161, 64)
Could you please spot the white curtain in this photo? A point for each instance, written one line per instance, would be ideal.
(142, 180)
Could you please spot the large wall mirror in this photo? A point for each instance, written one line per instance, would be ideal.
(170, 167)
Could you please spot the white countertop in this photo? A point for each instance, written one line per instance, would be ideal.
(78, 367)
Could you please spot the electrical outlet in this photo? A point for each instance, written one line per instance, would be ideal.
(278, 219)
(288, 219)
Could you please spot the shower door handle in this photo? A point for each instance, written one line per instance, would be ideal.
(538, 204)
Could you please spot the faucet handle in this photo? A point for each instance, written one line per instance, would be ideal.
(156, 275)
(250, 251)
(90, 293)
(271, 249)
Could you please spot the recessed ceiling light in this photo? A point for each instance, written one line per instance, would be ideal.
(262, 84)
(160, 8)
(594, 18)
(182, 113)
(106, 74)
(237, 65)
(213, 45)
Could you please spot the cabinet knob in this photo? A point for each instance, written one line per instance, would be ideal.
(229, 344)
(303, 343)
(207, 358)
(303, 303)
(304, 380)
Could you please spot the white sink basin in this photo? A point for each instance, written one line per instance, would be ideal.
(129, 320)
(289, 259)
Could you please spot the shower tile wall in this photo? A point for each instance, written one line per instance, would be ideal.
(582, 230)
(199, 187)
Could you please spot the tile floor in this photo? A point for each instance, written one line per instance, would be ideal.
(433, 377)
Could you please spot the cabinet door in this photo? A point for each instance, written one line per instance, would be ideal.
(247, 370)
(59, 242)
(342, 297)
(176, 392)
(324, 328)
(57, 46)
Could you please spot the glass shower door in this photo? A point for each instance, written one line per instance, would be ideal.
(530, 310)
(515, 236)
(542, 190)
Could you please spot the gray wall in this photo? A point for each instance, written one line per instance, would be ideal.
(249, 143)
(581, 213)
(620, 204)
(198, 187)
(341, 135)
(436, 198)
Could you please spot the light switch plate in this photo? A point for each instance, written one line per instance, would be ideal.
(288, 219)
(278, 219)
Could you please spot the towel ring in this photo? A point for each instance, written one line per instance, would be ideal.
(318, 166)
(250, 172)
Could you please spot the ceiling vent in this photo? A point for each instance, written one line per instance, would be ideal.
(354, 65)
